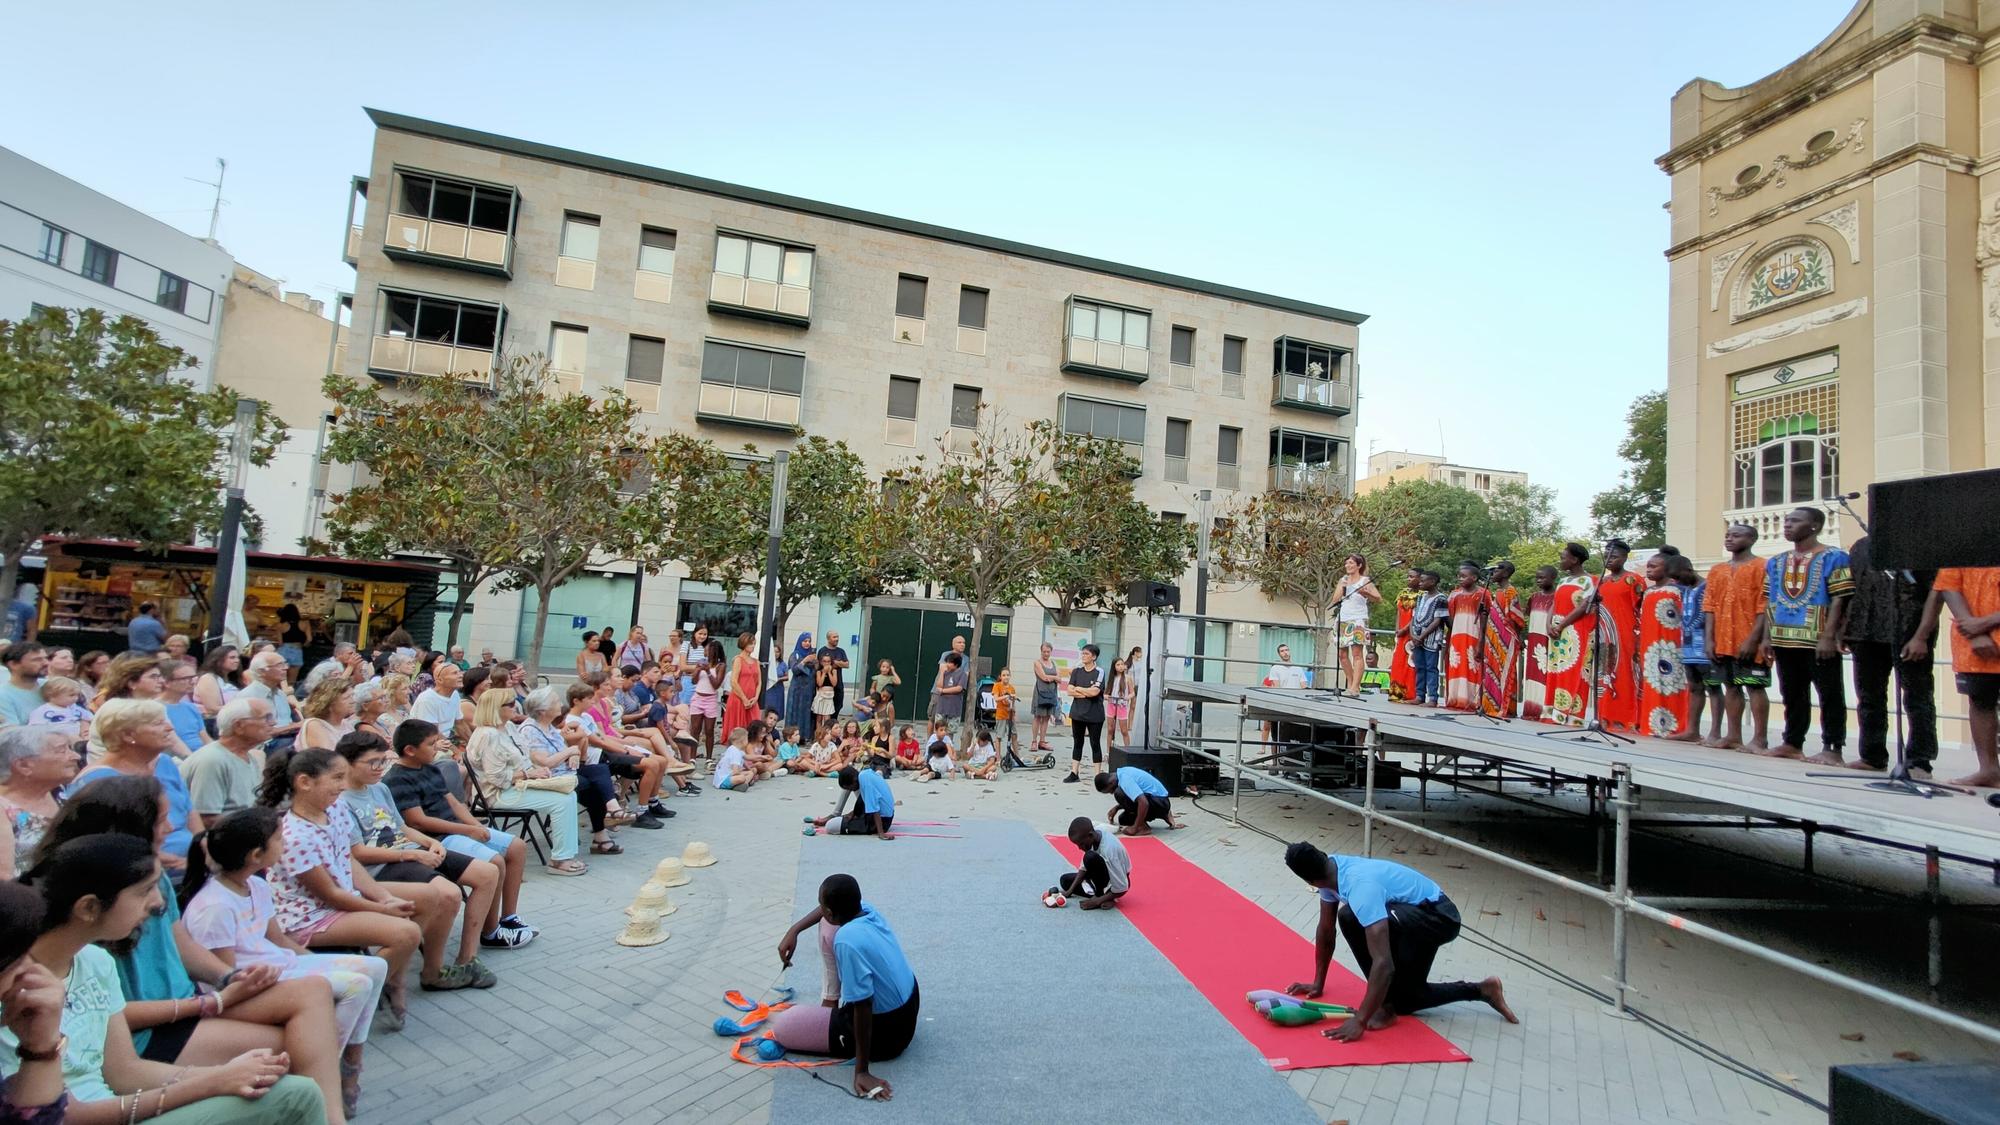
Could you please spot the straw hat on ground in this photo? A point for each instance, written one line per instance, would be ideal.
(696, 854)
(670, 873)
(643, 929)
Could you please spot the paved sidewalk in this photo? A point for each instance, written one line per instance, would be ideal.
(582, 1029)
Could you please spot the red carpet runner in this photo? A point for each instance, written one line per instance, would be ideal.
(1226, 946)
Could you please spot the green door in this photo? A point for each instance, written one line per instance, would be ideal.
(914, 638)
(892, 635)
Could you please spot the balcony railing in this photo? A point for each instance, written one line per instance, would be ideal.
(411, 237)
(1769, 521)
(401, 355)
(760, 299)
(1106, 357)
(772, 410)
(1305, 479)
(353, 245)
(1227, 475)
(1303, 392)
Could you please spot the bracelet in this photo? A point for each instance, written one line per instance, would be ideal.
(220, 1003)
(226, 978)
(203, 1005)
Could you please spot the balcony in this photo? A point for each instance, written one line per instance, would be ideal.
(761, 280)
(1305, 392)
(1305, 464)
(417, 334)
(1769, 521)
(1107, 340)
(435, 221)
(403, 355)
(1305, 479)
(749, 386)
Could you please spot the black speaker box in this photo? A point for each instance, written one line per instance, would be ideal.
(1927, 523)
(1914, 1094)
(1163, 764)
(1153, 595)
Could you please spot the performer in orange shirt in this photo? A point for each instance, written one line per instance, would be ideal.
(1973, 593)
(1734, 608)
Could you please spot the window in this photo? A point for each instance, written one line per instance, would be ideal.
(579, 237)
(655, 278)
(1482, 482)
(1183, 346)
(1228, 443)
(1302, 462)
(1232, 366)
(1309, 376)
(1787, 449)
(965, 407)
(569, 348)
(753, 386)
(426, 335)
(910, 292)
(1458, 480)
(100, 262)
(1108, 340)
(766, 279)
(453, 220)
(971, 307)
(54, 241)
(172, 293)
(1115, 421)
(903, 398)
(1177, 450)
(1307, 360)
(462, 204)
(645, 367)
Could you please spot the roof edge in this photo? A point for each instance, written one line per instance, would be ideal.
(403, 123)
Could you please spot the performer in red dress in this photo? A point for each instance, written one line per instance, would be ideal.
(741, 687)
(1402, 666)
(1663, 682)
(1620, 592)
(1535, 644)
(1464, 606)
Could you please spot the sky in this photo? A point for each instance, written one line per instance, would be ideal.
(1477, 176)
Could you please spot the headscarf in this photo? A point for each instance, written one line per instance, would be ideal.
(802, 648)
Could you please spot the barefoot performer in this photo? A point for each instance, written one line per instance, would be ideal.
(876, 1014)
(1141, 799)
(1394, 919)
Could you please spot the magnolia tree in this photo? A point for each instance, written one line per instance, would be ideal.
(1103, 538)
(1292, 546)
(99, 439)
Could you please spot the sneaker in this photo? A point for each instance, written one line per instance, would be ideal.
(451, 978)
(658, 808)
(690, 789)
(648, 820)
(506, 939)
(482, 977)
(780, 772)
(514, 922)
(1072, 778)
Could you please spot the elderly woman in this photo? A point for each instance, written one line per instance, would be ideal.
(564, 753)
(34, 763)
(504, 769)
(137, 734)
(176, 646)
(328, 711)
(395, 707)
(371, 702)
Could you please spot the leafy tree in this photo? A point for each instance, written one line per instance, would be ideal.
(714, 510)
(1527, 511)
(1529, 554)
(1293, 547)
(1104, 538)
(1636, 510)
(1448, 525)
(829, 502)
(98, 439)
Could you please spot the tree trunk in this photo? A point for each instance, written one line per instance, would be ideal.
(968, 710)
(10, 576)
(542, 592)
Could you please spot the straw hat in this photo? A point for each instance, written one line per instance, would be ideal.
(696, 854)
(643, 929)
(651, 899)
(670, 873)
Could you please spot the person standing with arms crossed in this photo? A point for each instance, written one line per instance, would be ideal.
(1086, 713)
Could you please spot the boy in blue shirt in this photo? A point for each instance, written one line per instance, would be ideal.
(876, 811)
(1394, 919)
(876, 1013)
(1141, 799)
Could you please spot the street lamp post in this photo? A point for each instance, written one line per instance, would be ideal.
(1204, 500)
(232, 520)
(767, 619)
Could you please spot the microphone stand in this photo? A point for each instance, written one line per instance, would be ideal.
(1593, 724)
(1899, 779)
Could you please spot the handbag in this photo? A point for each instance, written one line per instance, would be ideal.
(564, 783)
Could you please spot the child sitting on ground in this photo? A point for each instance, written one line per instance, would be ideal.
(940, 756)
(732, 766)
(909, 752)
(788, 751)
(983, 764)
(62, 703)
(760, 750)
(824, 759)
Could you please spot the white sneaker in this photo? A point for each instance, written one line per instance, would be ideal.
(781, 772)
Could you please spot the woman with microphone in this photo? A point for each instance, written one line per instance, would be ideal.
(1354, 595)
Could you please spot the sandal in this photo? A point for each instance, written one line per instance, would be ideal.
(350, 1087)
(565, 867)
(605, 847)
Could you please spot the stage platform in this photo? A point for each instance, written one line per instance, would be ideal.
(1961, 827)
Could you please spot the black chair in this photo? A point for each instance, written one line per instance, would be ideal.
(527, 820)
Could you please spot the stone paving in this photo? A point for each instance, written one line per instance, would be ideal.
(582, 1029)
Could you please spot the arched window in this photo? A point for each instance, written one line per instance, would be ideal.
(1792, 462)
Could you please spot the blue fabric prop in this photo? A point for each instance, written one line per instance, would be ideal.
(758, 1012)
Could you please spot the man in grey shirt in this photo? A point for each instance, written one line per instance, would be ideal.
(267, 682)
(950, 689)
(223, 775)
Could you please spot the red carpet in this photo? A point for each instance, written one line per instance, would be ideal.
(1226, 946)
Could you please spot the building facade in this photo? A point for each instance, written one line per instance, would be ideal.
(1393, 466)
(63, 245)
(751, 317)
(1834, 272)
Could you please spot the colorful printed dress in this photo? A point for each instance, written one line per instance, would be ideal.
(1568, 656)
(1535, 654)
(1618, 688)
(1663, 682)
(1499, 646)
(1402, 666)
(1461, 669)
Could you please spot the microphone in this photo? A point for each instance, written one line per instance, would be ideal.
(1850, 496)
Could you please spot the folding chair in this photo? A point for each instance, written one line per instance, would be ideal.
(495, 817)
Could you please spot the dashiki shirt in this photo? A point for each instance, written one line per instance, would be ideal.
(1663, 682)
(1462, 672)
(1798, 591)
(1402, 666)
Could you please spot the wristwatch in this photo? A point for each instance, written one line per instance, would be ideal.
(54, 1052)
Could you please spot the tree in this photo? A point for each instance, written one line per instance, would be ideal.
(829, 501)
(1527, 511)
(714, 510)
(1293, 547)
(98, 439)
(1530, 554)
(1104, 538)
(1448, 524)
(1636, 510)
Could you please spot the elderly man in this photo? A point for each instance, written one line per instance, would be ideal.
(438, 705)
(270, 681)
(353, 663)
(223, 775)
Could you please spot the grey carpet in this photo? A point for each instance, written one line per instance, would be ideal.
(1029, 1014)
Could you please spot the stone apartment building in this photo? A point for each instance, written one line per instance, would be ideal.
(749, 316)
(1394, 466)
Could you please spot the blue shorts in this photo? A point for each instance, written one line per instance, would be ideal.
(726, 783)
(492, 849)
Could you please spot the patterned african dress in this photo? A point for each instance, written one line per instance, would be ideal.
(1663, 682)
(1500, 649)
(1567, 656)
(1618, 688)
(1402, 667)
(1535, 654)
(1462, 649)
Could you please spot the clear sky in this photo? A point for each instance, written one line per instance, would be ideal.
(1477, 176)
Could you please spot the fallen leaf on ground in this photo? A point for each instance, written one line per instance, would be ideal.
(1456, 866)
(1783, 1077)
(1572, 922)
(1539, 916)
(1852, 1036)
(1399, 851)
(1665, 942)
(1491, 913)
(1907, 1056)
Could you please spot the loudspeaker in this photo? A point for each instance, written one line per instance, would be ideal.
(1162, 764)
(1927, 523)
(1913, 1094)
(1153, 595)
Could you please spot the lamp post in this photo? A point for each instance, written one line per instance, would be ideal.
(221, 589)
(1204, 500)
(767, 617)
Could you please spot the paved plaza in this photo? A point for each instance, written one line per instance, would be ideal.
(583, 1029)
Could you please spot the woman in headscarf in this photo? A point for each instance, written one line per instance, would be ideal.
(799, 687)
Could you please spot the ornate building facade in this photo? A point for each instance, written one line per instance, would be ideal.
(1834, 271)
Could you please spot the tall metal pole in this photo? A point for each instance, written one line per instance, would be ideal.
(1621, 887)
(222, 594)
(1204, 498)
(780, 469)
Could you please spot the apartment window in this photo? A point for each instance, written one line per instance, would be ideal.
(645, 367)
(433, 336)
(1302, 462)
(771, 280)
(901, 426)
(569, 348)
(1787, 447)
(100, 262)
(1228, 443)
(1177, 450)
(172, 293)
(1115, 421)
(910, 293)
(1307, 359)
(1232, 366)
(1180, 369)
(1108, 340)
(1482, 482)
(455, 202)
(752, 386)
(54, 241)
(965, 407)
(655, 279)
(579, 237)
(971, 307)
(1458, 480)
(1309, 376)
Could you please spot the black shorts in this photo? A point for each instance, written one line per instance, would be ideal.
(1981, 689)
(410, 871)
(1739, 673)
(889, 1037)
(1700, 675)
(623, 765)
(170, 1039)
